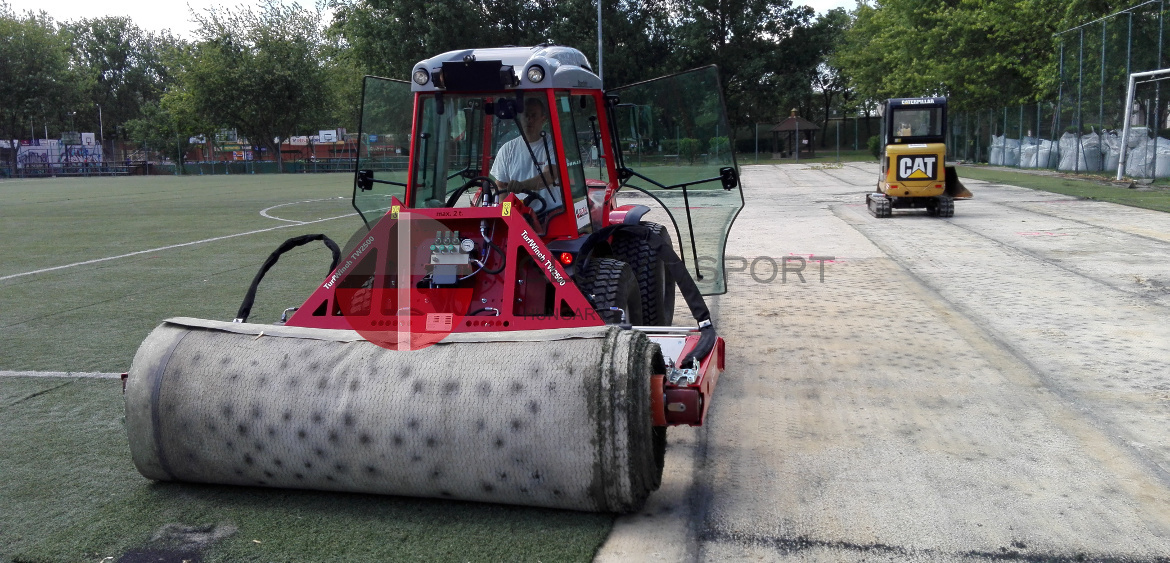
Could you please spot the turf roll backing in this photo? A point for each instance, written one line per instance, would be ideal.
(553, 418)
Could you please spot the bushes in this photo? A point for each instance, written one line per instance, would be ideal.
(719, 145)
(875, 146)
(689, 149)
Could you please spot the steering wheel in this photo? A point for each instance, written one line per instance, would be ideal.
(490, 184)
(531, 197)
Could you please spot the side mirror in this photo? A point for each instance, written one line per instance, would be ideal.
(365, 180)
(506, 109)
(729, 178)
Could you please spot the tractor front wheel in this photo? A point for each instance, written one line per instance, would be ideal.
(610, 284)
(655, 284)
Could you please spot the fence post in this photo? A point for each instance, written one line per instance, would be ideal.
(1080, 150)
(1101, 105)
(1158, 91)
(1125, 129)
(1055, 148)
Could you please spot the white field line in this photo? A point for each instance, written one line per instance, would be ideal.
(161, 248)
(264, 212)
(96, 374)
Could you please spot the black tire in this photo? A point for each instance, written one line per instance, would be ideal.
(611, 283)
(655, 283)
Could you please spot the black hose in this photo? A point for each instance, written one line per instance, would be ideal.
(250, 297)
(682, 277)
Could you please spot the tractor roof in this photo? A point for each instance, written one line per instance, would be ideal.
(504, 68)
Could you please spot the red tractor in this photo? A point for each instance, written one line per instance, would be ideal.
(500, 328)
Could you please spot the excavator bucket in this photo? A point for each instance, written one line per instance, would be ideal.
(954, 187)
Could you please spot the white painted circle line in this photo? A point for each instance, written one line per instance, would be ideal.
(264, 212)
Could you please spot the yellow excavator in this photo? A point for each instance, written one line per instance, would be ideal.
(913, 171)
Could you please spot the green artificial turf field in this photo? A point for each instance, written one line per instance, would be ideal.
(1156, 198)
(69, 490)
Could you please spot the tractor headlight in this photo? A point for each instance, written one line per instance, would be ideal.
(535, 73)
(421, 76)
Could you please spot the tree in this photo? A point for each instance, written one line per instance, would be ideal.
(35, 78)
(637, 37)
(767, 51)
(124, 68)
(168, 125)
(389, 36)
(982, 53)
(828, 82)
(260, 72)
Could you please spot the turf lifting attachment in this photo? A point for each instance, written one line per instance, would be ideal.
(554, 418)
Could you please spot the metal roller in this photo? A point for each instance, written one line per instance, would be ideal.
(552, 418)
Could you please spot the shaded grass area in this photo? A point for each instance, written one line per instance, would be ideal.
(71, 493)
(1157, 199)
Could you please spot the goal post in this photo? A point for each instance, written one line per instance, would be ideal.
(1133, 82)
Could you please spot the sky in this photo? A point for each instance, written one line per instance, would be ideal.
(156, 15)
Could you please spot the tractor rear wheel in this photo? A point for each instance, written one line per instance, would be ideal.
(610, 283)
(655, 283)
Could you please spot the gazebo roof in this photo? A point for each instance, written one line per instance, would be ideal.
(795, 122)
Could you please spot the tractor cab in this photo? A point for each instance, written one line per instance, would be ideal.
(473, 127)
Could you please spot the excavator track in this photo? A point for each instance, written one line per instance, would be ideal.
(879, 205)
(944, 206)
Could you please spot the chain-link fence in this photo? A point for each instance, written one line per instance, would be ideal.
(1080, 129)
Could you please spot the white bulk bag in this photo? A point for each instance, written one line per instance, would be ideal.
(995, 152)
(1011, 152)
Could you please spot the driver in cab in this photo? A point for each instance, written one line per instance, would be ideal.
(527, 163)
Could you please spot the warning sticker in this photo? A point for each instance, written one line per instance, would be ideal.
(439, 321)
(506, 209)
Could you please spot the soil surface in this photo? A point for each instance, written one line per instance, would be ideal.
(993, 386)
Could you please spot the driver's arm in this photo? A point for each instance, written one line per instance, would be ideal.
(505, 177)
(548, 176)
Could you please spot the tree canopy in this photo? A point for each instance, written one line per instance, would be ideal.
(36, 79)
(982, 53)
(278, 69)
(260, 72)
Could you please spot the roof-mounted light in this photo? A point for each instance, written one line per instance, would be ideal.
(421, 76)
(535, 73)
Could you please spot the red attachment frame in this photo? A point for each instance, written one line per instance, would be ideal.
(533, 291)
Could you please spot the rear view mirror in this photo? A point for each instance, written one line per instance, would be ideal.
(729, 178)
(365, 180)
